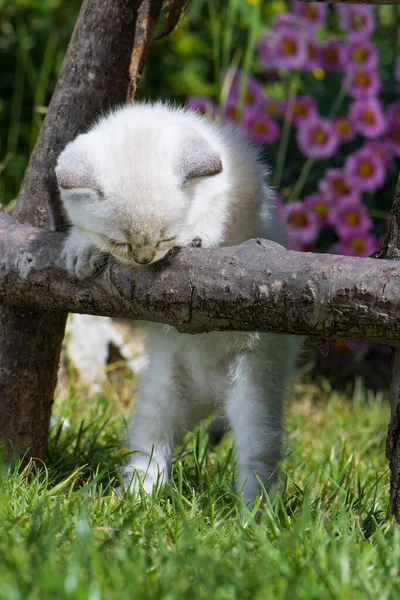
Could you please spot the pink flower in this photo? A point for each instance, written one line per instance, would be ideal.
(344, 129)
(235, 114)
(363, 245)
(361, 54)
(266, 51)
(290, 48)
(337, 187)
(312, 13)
(319, 204)
(253, 93)
(261, 128)
(302, 224)
(368, 117)
(304, 108)
(284, 20)
(365, 170)
(273, 107)
(382, 149)
(202, 105)
(355, 18)
(362, 83)
(333, 55)
(350, 219)
(316, 137)
(313, 54)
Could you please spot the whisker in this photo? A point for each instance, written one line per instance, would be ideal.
(108, 268)
(100, 252)
(64, 227)
(103, 268)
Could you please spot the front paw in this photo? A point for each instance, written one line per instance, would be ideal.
(85, 264)
(134, 481)
(82, 258)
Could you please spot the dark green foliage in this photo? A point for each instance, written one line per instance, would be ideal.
(34, 35)
(33, 40)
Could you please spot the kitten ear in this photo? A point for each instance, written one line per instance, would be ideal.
(71, 179)
(73, 172)
(198, 159)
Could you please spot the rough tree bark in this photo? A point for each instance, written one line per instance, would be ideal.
(390, 250)
(95, 76)
(257, 286)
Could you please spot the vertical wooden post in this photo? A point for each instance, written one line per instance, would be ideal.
(390, 249)
(94, 77)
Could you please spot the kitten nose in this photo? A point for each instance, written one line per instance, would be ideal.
(144, 257)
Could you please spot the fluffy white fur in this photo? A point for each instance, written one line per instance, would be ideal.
(147, 178)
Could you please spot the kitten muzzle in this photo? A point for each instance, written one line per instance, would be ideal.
(143, 257)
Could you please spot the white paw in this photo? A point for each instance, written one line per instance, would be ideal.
(134, 481)
(85, 264)
(82, 258)
(83, 261)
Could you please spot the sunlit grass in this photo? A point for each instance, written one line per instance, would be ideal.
(328, 533)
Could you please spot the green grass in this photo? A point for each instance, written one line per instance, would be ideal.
(327, 535)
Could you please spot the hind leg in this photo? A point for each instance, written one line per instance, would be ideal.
(255, 411)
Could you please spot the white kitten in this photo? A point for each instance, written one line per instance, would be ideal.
(148, 178)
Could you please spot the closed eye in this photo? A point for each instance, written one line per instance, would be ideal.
(115, 243)
(166, 241)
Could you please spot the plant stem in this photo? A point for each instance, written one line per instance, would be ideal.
(308, 165)
(379, 214)
(249, 53)
(216, 38)
(43, 84)
(287, 125)
(337, 104)
(228, 33)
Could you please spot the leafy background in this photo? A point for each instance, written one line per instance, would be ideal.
(33, 39)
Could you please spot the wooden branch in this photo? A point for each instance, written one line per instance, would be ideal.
(94, 77)
(258, 286)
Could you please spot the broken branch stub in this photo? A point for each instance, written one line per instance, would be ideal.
(147, 17)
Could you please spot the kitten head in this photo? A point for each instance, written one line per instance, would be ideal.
(130, 183)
